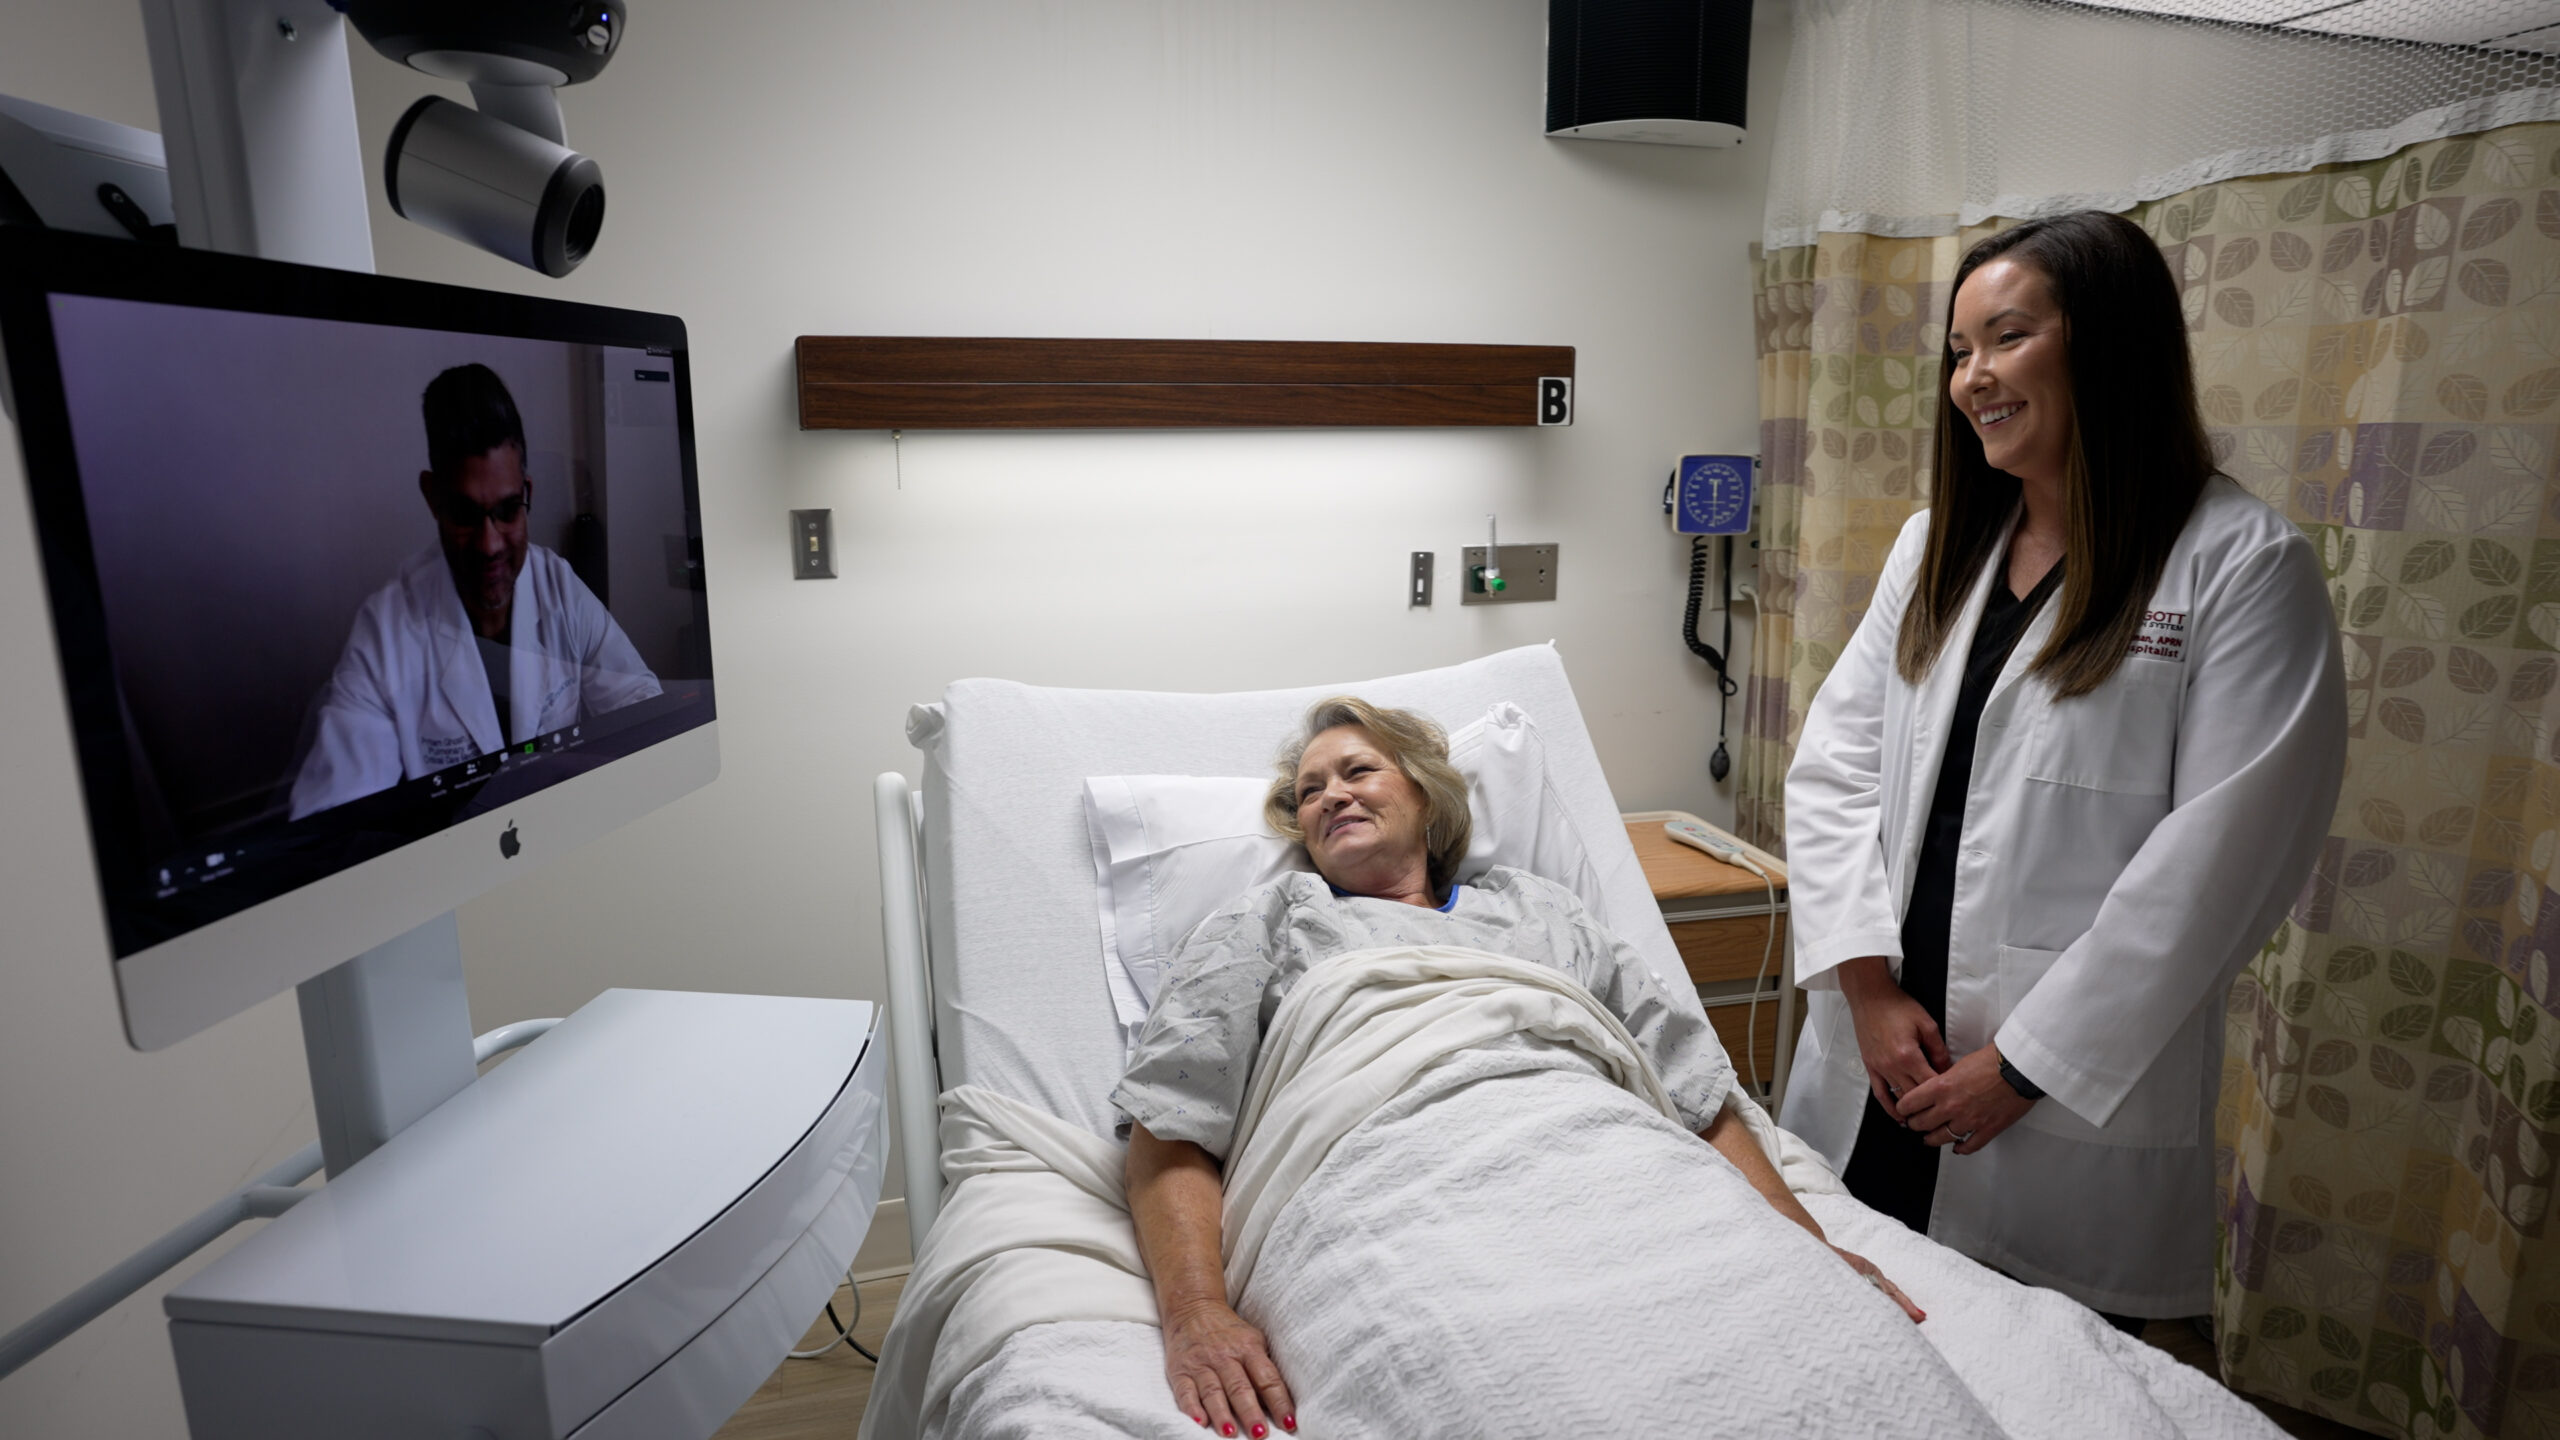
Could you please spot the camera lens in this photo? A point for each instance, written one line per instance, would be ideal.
(586, 220)
(491, 184)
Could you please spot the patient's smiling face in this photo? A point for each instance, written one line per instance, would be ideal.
(1364, 819)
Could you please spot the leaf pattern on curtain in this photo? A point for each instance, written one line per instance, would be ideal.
(2378, 354)
(1848, 333)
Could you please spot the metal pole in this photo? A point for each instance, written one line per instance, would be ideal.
(258, 113)
(387, 1036)
(265, 1195)
(264, 1198)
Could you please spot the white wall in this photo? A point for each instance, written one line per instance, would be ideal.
(1282, 169)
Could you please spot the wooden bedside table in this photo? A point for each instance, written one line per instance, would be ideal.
(1721, 917)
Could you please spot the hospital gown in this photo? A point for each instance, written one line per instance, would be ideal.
(1186, 1076)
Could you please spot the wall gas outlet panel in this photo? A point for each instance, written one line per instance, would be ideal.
(1528, 573)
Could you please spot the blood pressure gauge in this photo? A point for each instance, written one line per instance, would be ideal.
(1711, 495)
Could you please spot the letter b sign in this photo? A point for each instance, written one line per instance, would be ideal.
(1555, 400)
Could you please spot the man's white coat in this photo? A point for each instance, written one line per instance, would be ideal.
(2124, 853)
(411, 697)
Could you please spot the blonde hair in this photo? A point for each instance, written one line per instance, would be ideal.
(1417, 746)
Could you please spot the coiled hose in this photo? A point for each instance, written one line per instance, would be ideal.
(1720, 763)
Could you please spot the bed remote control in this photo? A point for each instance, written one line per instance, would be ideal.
(1714, 842)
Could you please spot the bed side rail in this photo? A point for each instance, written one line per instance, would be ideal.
(910, 1005)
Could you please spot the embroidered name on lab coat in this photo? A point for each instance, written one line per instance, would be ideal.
(2163, 636)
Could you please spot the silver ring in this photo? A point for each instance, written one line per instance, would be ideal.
(1875, 1280)
(1960, 1139)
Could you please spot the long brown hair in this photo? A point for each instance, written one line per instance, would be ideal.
(2139, 455)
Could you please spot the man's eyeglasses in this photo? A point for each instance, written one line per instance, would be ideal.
(461, 514)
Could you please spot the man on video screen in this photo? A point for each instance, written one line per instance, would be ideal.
(482, 640)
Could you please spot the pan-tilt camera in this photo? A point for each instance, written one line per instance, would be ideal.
(497, 173)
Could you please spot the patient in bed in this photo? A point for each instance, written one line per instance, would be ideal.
(1383, 814)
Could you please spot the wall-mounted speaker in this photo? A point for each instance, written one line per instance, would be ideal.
(1665, 72)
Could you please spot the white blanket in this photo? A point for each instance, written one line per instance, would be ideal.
(1495, 1229)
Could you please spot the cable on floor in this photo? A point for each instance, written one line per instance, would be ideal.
(843, 1328)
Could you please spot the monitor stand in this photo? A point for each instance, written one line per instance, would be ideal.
(387, 1036)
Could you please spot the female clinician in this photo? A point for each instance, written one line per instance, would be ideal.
(2067, 777)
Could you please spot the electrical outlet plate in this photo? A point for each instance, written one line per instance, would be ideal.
(1528, 573)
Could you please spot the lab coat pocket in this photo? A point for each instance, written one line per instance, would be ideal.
(2098, 770)
(2162, 1109)
(2121, 737)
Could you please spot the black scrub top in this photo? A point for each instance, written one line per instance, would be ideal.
(1893, 1169)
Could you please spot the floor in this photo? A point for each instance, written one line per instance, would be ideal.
(822, 1399)
(2180, 1339)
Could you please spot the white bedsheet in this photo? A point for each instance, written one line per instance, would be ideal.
(1463, 1215)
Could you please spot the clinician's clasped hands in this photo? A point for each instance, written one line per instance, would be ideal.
(1964, 1103)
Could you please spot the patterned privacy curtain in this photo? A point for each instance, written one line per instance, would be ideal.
(1848, 334)
(2378, 355)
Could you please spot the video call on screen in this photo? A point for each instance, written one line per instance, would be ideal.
(362, 580)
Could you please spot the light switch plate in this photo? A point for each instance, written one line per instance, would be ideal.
(1528, 573)
(813, 545)
(1418, 579)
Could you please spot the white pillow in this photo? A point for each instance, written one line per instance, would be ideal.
(1169, 849)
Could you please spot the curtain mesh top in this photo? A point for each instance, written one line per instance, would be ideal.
(1917, 117)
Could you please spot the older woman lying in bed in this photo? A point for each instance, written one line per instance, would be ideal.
(1383, 814)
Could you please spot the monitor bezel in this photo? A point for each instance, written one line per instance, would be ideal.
(175, 986)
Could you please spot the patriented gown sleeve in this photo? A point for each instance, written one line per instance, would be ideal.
(1675, 1039)
(1187, 1074)
(2261, 752)
(1840, 897)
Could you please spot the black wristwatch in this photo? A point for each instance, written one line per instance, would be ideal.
(2027, 1089)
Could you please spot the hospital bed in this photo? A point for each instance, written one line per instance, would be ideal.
(996, 980)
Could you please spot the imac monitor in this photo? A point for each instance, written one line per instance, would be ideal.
(368, 594)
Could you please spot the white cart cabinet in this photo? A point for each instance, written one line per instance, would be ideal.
(617, 1233)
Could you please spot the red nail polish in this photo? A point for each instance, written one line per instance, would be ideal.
(1259, 1432)
(1288, 1422)
(1229, 1428)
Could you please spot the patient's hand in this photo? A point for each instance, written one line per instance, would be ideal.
(1222, 1374)
(1867, 1270)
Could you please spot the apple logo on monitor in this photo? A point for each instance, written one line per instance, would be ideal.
(508, 845)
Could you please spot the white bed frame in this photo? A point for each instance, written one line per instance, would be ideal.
(915, 1065)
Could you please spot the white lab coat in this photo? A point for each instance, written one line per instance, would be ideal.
(2123, 854)
(410, 696)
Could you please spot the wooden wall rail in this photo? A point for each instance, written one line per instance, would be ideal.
(868, 382)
